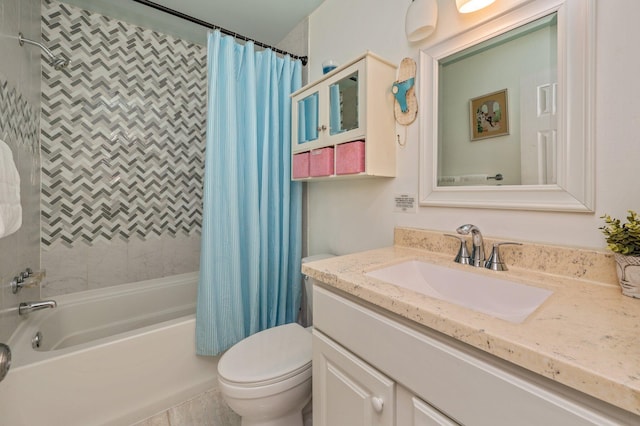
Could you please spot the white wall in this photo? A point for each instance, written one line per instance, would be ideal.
(347, 216)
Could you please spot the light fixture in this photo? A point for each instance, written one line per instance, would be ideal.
(422, 16)
(468, 6)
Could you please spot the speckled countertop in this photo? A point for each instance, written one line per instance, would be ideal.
(586, 335)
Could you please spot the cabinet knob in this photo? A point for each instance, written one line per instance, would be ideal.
(378, 404)
(322, 128)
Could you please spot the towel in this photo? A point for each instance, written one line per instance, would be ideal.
(474, 179)
(302, 122)
(311, 116)
(448, 180)
(335, 110)
(10, 208)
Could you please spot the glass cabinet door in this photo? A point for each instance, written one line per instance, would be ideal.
(343, 105)
(308, 119)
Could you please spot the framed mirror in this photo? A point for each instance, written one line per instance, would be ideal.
(508, 112)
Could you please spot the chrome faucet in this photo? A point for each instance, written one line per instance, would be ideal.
(477, 252)
(26, 308)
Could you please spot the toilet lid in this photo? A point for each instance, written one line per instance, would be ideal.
(270, 354)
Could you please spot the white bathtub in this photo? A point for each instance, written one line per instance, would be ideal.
(112, 356)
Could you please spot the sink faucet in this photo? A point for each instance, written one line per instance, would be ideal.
(477, 252)
(27, 307)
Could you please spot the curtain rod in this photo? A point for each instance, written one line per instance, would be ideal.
(190, 18)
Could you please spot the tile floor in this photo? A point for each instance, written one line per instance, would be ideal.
(207, 409)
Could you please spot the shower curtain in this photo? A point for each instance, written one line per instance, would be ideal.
(251, 229)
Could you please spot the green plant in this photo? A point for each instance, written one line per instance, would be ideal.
(623, 238)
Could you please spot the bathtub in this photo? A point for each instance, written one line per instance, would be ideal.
(111, 356)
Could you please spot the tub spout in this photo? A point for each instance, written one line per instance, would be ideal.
(28, 307)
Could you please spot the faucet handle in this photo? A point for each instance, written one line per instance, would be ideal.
(463, 253)
(26, 273)
(495, 262)
(27, 278)
(16, 284)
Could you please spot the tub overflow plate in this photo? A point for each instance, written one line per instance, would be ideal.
(36, 341)
(5, 360)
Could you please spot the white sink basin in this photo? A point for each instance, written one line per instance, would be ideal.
(497, 297)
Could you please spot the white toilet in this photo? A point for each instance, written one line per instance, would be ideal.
(266, 378)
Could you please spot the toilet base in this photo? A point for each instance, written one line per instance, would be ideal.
(282, 409)
(293, 419)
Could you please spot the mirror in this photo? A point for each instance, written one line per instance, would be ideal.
(343, 101)
(507, 119)
(495, 99)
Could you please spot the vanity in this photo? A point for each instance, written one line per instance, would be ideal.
(388, 351)
(388, 355)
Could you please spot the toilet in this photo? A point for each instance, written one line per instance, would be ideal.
(266, 378)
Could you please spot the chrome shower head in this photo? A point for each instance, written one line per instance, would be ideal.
(58, 62)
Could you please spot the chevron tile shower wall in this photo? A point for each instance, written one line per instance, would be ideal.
(123, 136)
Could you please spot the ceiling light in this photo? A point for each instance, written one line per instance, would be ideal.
(468, 6)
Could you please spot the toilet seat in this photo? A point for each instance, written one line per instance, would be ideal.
(264, 390)
(276, 355)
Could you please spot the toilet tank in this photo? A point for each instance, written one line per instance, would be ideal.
(306, 304)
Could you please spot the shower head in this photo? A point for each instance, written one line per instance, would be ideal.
(57, 61)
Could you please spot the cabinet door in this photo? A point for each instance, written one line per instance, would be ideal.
(308, 119)
(412, 411)
(346, 105)
(346, 390)
(343, 104)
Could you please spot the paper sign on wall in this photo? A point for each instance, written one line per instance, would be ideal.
(405, 203)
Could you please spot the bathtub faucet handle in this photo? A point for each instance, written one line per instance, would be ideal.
(26, 273)
(27, 278)
(26, 308)
(16, 284)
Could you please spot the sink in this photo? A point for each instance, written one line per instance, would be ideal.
(500, 298)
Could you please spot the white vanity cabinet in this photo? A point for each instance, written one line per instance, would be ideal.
(412, 411)
(351, 393)
(363, 355)
(347, 391)
(353, 103)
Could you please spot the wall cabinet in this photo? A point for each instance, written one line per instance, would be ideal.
(343, 124)
(424, 378)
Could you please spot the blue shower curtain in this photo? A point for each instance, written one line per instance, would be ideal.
(251, 228)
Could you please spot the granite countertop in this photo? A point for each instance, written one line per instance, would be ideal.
(586, 335)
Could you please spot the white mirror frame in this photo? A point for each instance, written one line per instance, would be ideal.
(575, 186)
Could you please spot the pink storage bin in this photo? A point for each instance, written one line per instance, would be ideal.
(321, 162)
(350, 158)
(300, 165)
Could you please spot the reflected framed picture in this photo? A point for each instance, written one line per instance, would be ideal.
(489, 115)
